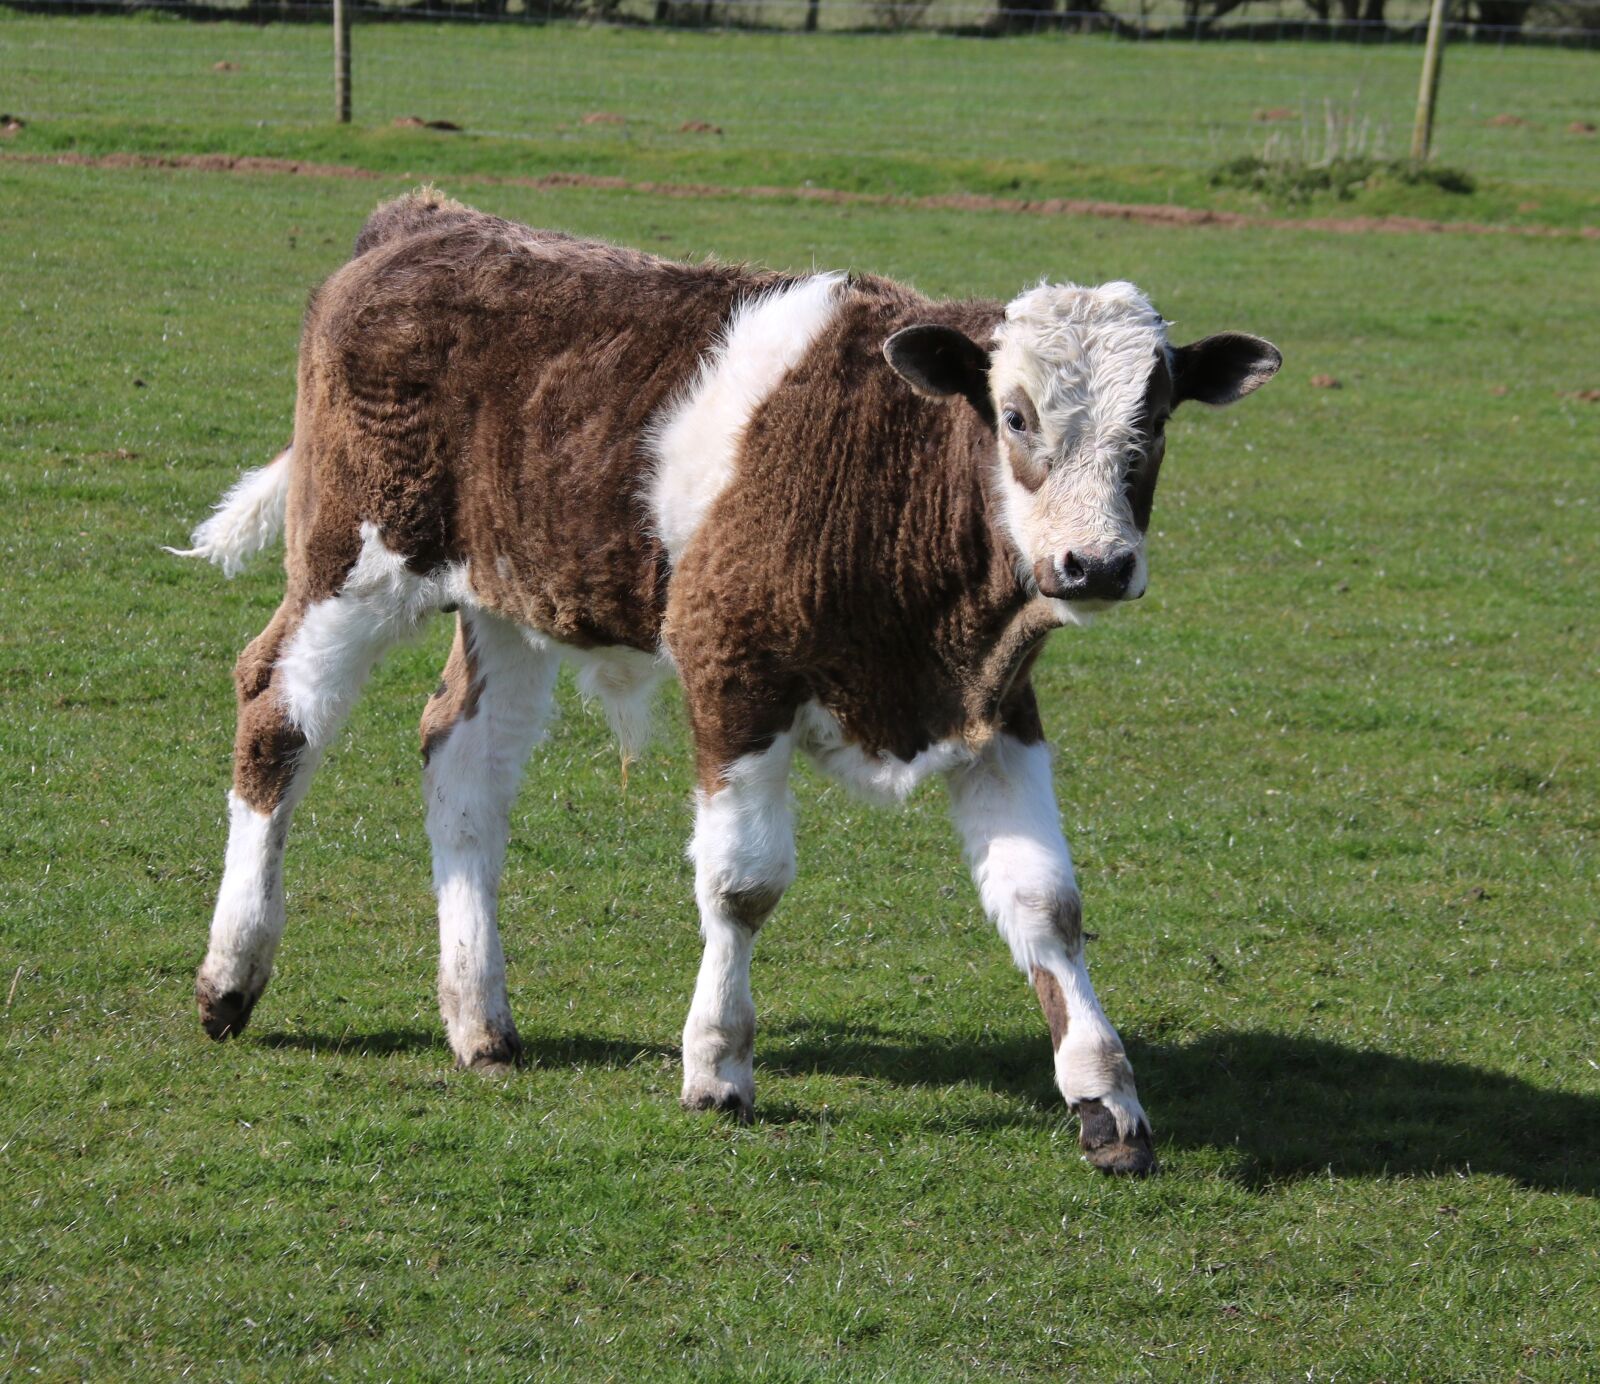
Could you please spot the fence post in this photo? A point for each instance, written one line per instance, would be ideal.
(1428, 91)
(341, 61)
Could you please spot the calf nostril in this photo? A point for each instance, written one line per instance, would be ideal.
(1094, 576)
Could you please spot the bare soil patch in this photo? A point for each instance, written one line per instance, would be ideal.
(1148, 214)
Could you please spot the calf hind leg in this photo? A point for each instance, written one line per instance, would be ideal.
(296, 683)
(489, 711)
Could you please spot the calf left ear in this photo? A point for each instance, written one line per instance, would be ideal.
(940, 362)
(1219, 369)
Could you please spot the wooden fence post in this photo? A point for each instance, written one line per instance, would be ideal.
(341, 61)
(1428, 92)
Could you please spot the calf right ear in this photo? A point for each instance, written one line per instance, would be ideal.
(939, 362)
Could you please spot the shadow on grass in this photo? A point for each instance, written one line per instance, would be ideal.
(384, 1043)
(567, 1050)
(1287, 1107)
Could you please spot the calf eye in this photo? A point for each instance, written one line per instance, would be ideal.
(1014, 421)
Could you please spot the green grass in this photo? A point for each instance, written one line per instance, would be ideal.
(1332, 788)
(914, 114)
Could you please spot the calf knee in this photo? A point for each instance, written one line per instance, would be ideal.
(744, 857)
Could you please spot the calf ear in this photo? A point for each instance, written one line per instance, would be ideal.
(940, 362)
(1220, 369)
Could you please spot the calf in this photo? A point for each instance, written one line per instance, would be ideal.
(846, 516)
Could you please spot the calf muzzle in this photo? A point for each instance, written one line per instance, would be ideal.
(1080, 576)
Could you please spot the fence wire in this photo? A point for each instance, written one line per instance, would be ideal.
(1496, 22)
(571, 90)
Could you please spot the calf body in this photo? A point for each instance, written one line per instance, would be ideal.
(845, 515)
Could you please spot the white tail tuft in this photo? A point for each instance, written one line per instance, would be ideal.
(248, 518)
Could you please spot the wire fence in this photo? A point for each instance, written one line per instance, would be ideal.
(1500, 23)
(784, 108)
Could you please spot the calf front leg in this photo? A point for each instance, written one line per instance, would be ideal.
(1005, 809)
(743, 853)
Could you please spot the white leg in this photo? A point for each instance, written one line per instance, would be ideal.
(477, 731)
(743, 852)
(297, 682)
(248, 920)
(1004, 807)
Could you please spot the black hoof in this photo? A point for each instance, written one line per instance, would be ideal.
(728, 1102)
(223, 1015)
(499, 1057)
(1108, 1150)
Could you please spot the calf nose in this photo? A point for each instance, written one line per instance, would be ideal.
(1097, 578)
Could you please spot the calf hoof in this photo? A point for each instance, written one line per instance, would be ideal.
(1103, 1146)
(721, 1096)
(223, 1013)
(498, 1055)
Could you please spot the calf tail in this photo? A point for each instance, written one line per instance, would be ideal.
(248, 518)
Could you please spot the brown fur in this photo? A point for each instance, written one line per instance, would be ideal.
(855, 559)
(481, 392)
(266, 747)
(422, 210)
(1054, 1004)
(1151, 426)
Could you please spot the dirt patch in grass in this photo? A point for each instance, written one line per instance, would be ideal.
(1148, 214)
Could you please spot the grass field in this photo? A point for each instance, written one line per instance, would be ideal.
(1333, 789)
(914, 114)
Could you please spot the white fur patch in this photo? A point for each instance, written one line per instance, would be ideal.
(696, 438)
(624, 681)
(1083, 356)
(878, 778)
(248, 920)
(341, 638)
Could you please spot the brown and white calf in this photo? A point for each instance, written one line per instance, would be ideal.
(846, 516)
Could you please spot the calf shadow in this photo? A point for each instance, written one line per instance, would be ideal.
(1287, 1107)
(566, 1050)
(382, 1043)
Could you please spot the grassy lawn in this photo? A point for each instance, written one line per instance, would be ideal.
(914, 114)
(1333, 789)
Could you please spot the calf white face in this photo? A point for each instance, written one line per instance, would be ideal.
(1078, 385)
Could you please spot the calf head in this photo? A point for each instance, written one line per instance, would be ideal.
(1077, 385)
